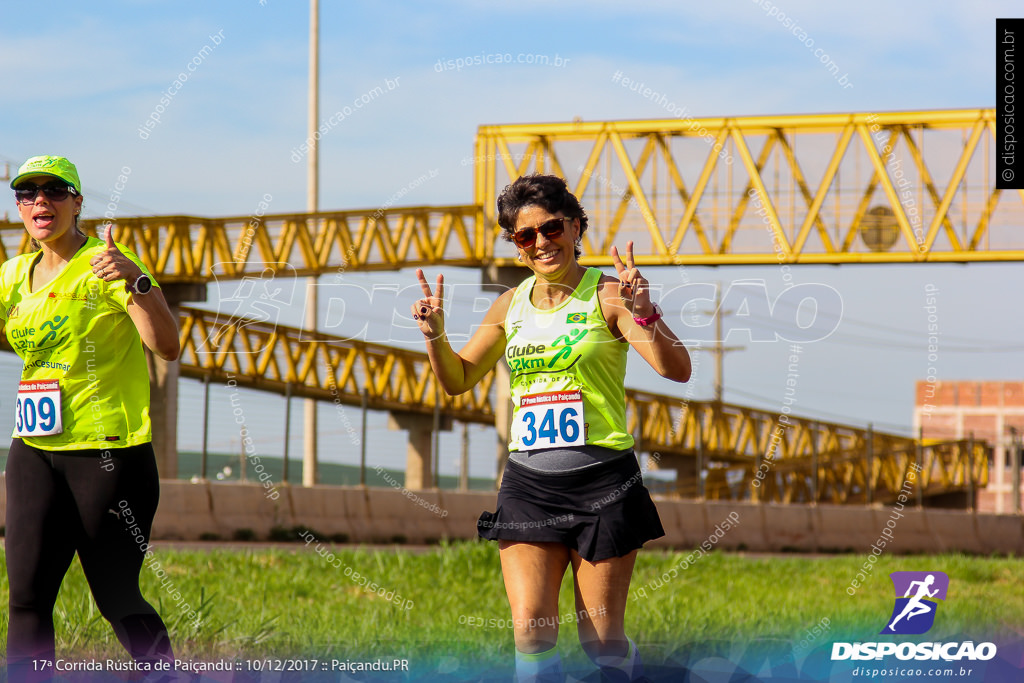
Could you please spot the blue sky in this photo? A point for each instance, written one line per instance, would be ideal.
(98, 71)
(80, 79)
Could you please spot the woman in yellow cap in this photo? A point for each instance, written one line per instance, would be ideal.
(81, 473)
(572, 495)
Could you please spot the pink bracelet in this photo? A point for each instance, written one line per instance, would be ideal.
(651, 319)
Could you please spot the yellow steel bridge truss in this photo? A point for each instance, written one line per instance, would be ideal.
(903, 187)
(800, 459)
(896, 187)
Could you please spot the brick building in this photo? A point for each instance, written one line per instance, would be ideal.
(991, 411)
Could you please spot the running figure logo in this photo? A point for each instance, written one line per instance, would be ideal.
(255, 305)
(914, 612)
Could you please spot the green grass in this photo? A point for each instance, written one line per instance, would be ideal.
(290, 601)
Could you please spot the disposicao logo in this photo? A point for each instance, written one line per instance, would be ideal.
(917, 600)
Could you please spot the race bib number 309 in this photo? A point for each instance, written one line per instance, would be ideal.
(37, 412)
(551, 420)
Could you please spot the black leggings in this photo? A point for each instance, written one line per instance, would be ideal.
(60, 502)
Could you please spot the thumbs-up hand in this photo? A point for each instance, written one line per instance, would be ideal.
(110, 264)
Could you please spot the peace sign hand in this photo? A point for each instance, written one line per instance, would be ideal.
(428, 312)
(634, 289)
(111, 264)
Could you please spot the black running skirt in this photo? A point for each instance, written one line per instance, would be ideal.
(600, 512)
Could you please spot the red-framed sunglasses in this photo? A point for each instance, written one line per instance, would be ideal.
(552, 229)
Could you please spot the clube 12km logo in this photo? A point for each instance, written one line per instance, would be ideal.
(918, 598)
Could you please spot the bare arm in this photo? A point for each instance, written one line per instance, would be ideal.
(630, 297)
(157, 327)
(459, 372)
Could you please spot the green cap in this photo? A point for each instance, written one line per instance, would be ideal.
(57, 167)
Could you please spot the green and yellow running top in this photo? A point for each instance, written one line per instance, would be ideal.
(567, 372)
(84, 381)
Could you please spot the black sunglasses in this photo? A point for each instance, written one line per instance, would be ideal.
(26, 194)
(552, 229)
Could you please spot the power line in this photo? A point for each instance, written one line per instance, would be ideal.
(895, 330)
(857, 340)
(91, 192)
(718, 348)
(860, 340)
(827, 416)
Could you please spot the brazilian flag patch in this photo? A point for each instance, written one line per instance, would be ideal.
(576, 318)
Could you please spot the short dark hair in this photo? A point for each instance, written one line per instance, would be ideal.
(549, 192)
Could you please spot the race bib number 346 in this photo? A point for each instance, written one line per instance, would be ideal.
(551, 420)
(37, 412)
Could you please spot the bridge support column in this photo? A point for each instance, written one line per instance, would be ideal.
(163, 386)
(163, 412)
(498, 279)
(419, 465)
(687, 482)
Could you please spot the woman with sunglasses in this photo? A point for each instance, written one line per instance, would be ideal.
(572, 494)
(81, 473)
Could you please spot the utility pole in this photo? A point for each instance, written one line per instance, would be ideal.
(718, 348)
(464, 462)
(309, 459)
(1015, 463)
(5, 178)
